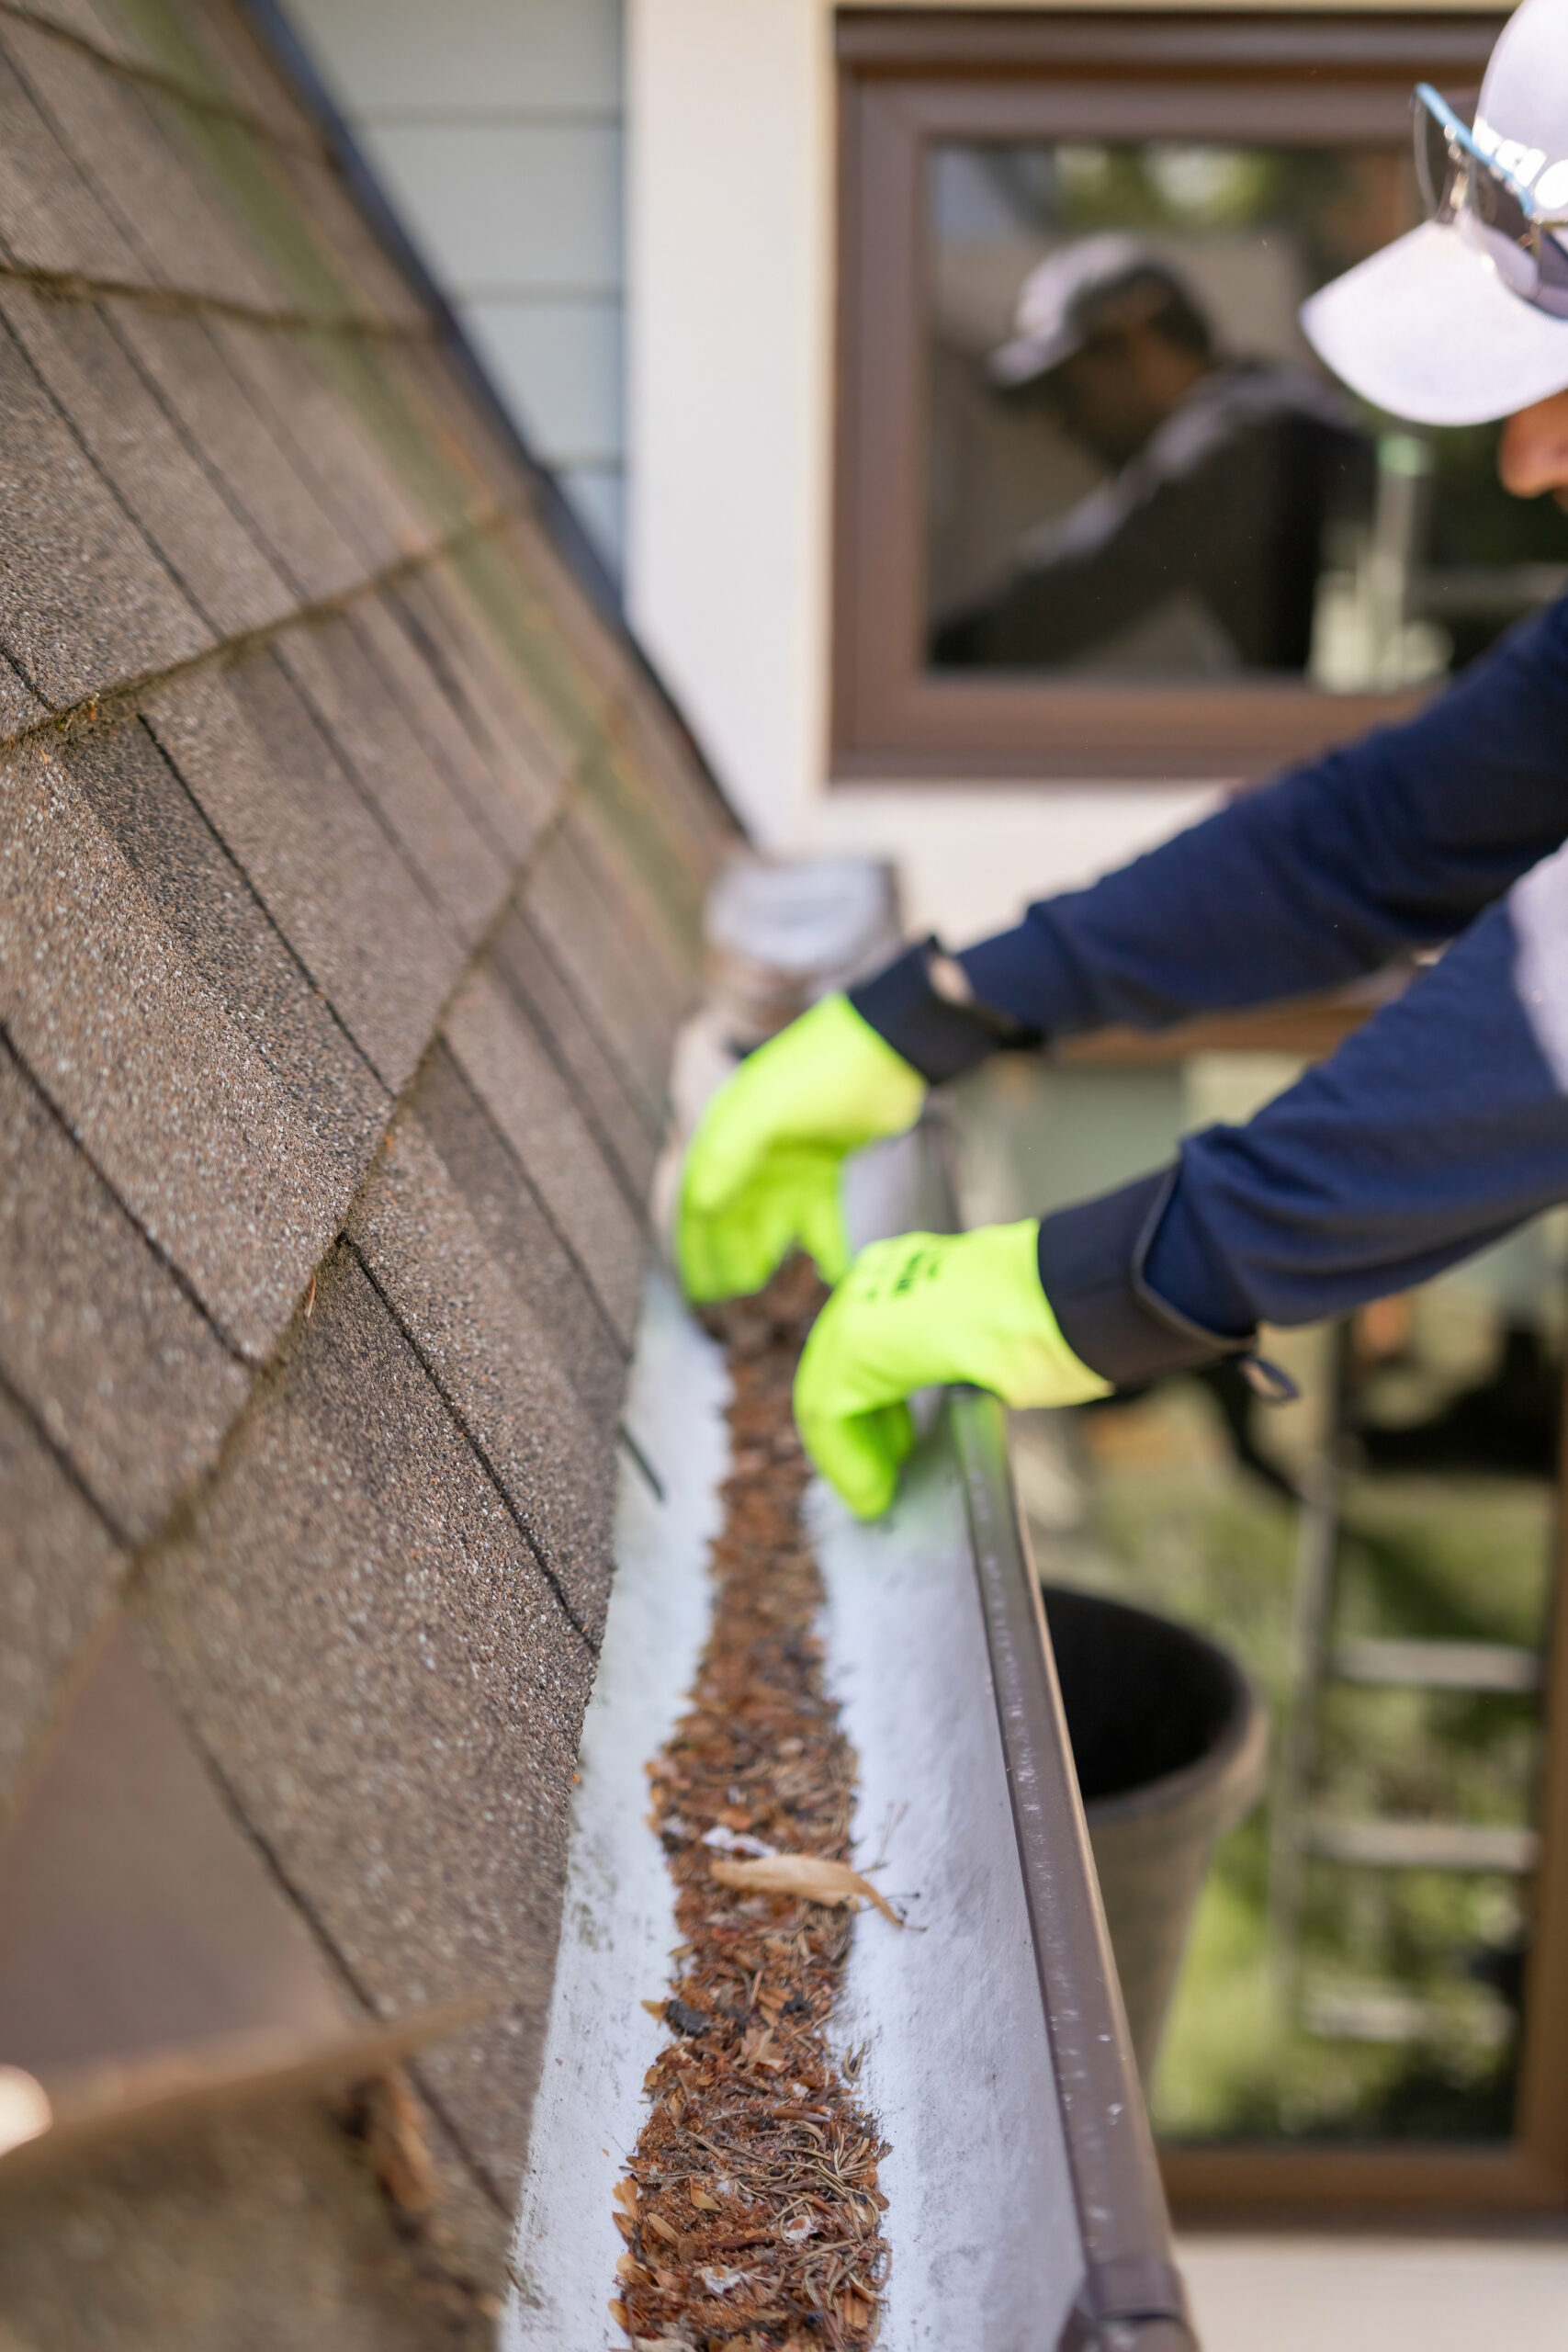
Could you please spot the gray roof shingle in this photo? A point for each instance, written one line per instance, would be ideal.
(347, 872)
(499, 1368)
(120, 1371)
(147, 462)
(50, 218)
(210, 903)
(340, 891)
(59, 1569)
(417, 805)
(105, 126)
(363, 1640)
(136, 1051)
(87, 601)
(495, 1046)
(235, 441)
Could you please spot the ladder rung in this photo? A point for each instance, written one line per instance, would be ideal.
(1381, 2013)
(1424, 1845)
(1368, 2017)
(1438, 1665)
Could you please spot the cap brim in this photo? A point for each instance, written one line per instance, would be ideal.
(1029, 356)
(1427, 330)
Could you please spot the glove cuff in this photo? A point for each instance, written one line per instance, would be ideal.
(920, 1005)
(1091, 1269)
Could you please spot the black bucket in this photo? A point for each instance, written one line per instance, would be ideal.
(1170, 1741)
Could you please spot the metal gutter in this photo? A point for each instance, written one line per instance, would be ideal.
(1025, 2211)
(1132, 2296)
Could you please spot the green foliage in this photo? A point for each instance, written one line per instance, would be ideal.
(1174, 1522)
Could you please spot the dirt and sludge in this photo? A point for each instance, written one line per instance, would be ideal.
(750, 2212)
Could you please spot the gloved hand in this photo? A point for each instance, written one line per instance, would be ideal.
(763, 1171)
(924, 1308)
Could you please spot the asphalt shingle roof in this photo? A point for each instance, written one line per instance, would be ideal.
(348, 878)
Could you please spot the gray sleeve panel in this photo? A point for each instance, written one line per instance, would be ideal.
(1538, 910)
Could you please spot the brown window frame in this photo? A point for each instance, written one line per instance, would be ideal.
(905, 80)
(1475, 2183)
(1478, 2182)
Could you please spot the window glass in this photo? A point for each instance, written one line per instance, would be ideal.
(1378, 1558)
(1135, 465)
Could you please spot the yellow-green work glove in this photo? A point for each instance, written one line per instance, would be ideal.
(762, 1172)
(925, 1308)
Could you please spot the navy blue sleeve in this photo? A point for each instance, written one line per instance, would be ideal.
(1436, 1128)
(1325, 875)
(1439, 1126)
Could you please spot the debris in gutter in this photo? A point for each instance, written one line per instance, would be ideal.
(732, 1841)
(807, 1876)
(751, 2214)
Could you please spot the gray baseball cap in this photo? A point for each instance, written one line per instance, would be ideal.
(1058, 301)
(1441, 326)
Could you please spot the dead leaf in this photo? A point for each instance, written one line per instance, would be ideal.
(808, 1877)
(702, 2200)
(625, 2193)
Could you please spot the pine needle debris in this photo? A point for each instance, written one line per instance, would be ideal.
(751, 2214)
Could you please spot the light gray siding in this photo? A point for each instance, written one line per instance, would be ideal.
(497, 129)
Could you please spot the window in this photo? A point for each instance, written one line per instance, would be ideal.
(1101, 512)
(1370, 2007)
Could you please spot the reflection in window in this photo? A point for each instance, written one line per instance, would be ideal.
(1379, 1557)
(1136, 465)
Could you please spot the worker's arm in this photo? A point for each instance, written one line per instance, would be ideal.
(1439, 1126)
(1050, 613)
(1316, 880)
(1238, 528)
(1398, 841)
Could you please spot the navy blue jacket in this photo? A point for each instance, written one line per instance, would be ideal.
(1436, 1127)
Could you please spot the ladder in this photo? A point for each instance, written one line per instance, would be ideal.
(1299, 1830)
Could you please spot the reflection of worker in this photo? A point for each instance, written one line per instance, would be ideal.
(1438, 1128)
(1221, 474)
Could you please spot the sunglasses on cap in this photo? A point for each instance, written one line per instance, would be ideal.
(1460, 181)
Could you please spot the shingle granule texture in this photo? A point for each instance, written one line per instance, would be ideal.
(258, 473)
(419, 810)
(525, 966)
(107, 128)
(351, 906)
(521, 1242)
(59, 1568)
(478, 1338)
(348, 869)
(87, 600)
(210, 901)
(147, 463)
(509, 1070)
(508, 802)
(590, 937)
(50, 219)
(123, 1374)
(369, 1649)
(135, 1050)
